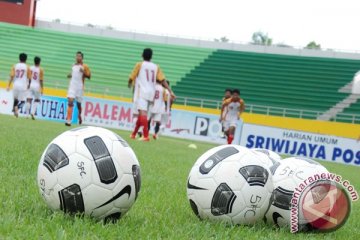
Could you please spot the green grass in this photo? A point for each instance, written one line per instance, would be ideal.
(161, 211)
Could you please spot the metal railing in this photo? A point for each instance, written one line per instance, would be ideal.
(269, 110)
(345, 117)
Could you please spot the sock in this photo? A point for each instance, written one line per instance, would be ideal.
(145, 125)
(230, 139)
(137, 126)
(149, 121)
(21, 104)
(79, 107)
(78, 104)
(27, 107)
(16, 102)
(34, 107)
(69, 112)
(157, 127)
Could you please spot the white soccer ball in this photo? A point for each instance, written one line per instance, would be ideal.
(230, 183)
(272, 159)
(290, 174)
(271, 154)
(91, 171)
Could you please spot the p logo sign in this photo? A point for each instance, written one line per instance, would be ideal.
(201, 126)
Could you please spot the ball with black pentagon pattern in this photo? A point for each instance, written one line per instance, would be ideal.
(289, 175)
(89, 171)
(230, 183)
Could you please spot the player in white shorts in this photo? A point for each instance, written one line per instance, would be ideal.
(145, 74)
(234, 107)
(79, 72)
(157, 108)
(36, 88)
(20, 74)
(165, 117)
(227, 95)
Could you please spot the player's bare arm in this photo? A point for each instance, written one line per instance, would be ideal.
(29, 76)
(42, 86)
(222, 110)
(130, 83)
(221, 113)
(133, 75)
(29, 80)
(86, 72)
(242, 106)
(9, 84)
(166, 86)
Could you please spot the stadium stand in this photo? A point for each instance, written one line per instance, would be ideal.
(269, 79)
(353, 109)
(284, 81)
(111, 60)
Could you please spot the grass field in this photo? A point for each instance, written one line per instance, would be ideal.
(161, 211)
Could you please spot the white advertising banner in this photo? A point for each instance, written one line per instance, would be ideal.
(305, 144)
(6, 101)
(183, 124)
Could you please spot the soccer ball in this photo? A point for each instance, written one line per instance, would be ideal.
(271, 154)
(91, 171)
(272, 159)
(289, 175)
(230, 183)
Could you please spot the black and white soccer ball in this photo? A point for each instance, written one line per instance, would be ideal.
(91, 171)
(289, 175)
(271, 154)
(271, 158)
(230, 183)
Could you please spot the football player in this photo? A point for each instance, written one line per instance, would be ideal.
(227, 95)
(231, 110)
(79, 72)
(145, 74)
(20, 74)
(36, 87)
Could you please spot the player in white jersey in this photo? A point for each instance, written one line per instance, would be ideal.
(234, 106)
(227, 95)
(36, 88)
(157, 108)
(165, 117)
(20, 75)
(144, 76)
(79, 72)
